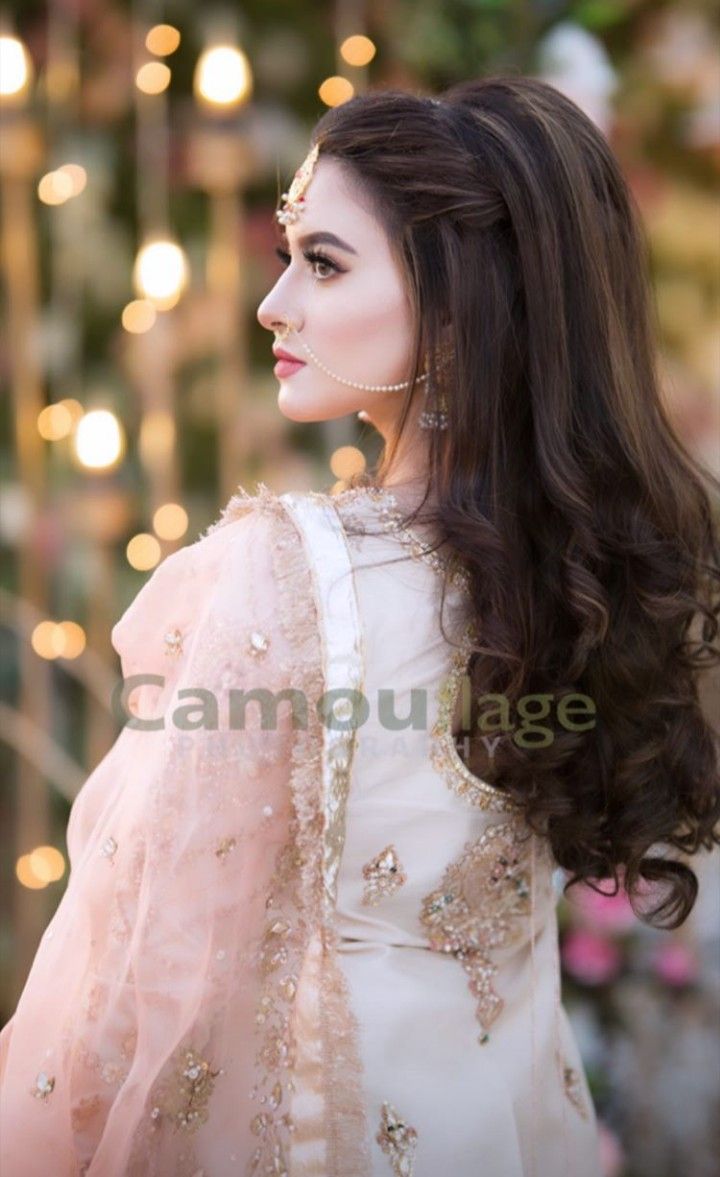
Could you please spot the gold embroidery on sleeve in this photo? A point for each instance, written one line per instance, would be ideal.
(480, 906)
(384, 875)
(398, 1140)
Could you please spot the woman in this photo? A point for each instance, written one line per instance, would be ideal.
(327, 945)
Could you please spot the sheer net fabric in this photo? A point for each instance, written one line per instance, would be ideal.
(154, 1034)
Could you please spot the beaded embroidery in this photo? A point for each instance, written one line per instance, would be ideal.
(480, 906)
(398, 1140)
(183, 1100)
(44, 1085)
(109, 848)
(384, 875)
(391, 520)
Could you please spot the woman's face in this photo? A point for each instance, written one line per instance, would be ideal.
(351, 309)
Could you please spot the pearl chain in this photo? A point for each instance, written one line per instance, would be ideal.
(352, 383)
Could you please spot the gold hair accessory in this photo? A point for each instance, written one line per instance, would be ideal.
(294, 199)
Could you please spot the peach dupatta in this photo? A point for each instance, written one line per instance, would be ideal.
(154, 1034)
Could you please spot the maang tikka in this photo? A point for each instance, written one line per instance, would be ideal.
(293, 205)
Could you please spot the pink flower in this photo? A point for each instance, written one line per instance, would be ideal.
(611, 912)
(675, 963)
(590, 958)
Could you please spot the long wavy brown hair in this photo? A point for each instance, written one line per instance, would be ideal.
(587, 528)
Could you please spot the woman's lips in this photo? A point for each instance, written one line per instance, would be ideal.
(288, 367)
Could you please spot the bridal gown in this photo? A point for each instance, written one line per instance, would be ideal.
(327, 951)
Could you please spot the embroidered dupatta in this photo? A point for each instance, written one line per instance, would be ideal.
(154, 1034)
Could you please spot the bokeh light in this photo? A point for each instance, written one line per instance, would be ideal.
(143, 552)
(161, 273)
(99, 440)
(55, 422)
(153, 77)
(357, 50)
(223, 76)
(336, 90)
(170, 521)
(347, 460)
(139, 316)
(162, 40)
(16, 70)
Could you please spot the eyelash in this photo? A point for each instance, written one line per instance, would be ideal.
(313, 257)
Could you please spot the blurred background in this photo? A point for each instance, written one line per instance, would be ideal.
(143, 150)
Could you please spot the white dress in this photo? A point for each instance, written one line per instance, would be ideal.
(468, 1067)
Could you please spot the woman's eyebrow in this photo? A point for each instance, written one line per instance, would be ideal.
(324, 238)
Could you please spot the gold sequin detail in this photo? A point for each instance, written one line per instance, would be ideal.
(258, 644)
(183, 1099)
(44, 1085)
(398, 1140)
(443, 752)
(384, 875)
(480, 906)
(225, 847)
(173, 643)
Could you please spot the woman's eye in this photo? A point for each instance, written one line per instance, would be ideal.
(315, 259)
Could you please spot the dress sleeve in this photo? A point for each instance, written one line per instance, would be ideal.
(154, 1034)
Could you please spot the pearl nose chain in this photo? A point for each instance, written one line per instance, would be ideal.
(285, 330)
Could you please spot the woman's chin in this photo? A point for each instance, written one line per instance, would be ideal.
(296, 408)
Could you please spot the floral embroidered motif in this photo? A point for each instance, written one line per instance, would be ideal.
(480, 906)
(183, 1099)
(572, 1085)
(384, 875)
(398, 1140)
(443, 752)
(44, 1085)
(173, 643)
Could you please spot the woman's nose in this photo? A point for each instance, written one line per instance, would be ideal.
(270, 315)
